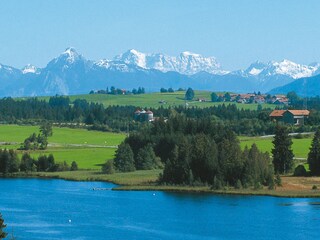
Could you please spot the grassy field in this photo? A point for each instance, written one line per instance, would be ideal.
(89, 149)
(16, 133)
(300, 146)
(152, 100)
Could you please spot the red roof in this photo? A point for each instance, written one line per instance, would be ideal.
(277, 113)
(299, 112)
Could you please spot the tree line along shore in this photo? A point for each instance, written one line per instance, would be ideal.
(186, 147)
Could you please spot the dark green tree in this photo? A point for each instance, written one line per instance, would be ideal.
(257, 167)
(2, 227)
(146, 158)
(214, 97)
(163, 90)
(282, 152)
(189, 94)
(124, 161)
(204, 158)
(293, 97)
(42, 141)
(14, 161)
(27, 163)
(46, 163)
(220, 99)
(74, 166)
(4, 161)
(46, 129)
(227, 97)
(177, 168)
(9, 161)
(314, 154)
(230, 158)
(113, 90)
(108, 167)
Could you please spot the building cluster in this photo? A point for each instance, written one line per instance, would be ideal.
(143, 116)
(259, 98)
(294, 117)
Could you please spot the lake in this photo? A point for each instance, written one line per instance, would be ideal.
(58, 209)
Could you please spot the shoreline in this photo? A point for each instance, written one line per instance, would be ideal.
(145, 181)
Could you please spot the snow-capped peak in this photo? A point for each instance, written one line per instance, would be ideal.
(6, 68)
(187, 53)
(185, 63)
(71, 55)
(256, 68)
(287, 67)
(133, 57)
(30, 69)
(284, 67)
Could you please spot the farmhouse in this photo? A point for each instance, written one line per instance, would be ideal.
(295, 117)
(143, 116)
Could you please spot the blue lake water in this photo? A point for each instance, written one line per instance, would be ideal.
(41, 209)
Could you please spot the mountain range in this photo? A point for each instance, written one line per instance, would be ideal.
(72, 73)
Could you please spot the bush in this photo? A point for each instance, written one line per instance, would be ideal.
(74, 166)
(238, 184)
(257, 186)
(217, 183)
(314, 187)
(298, 136)
(108, 167)
(300, 171)
(278, 181)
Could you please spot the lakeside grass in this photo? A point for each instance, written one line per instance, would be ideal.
(146, 180)
(136, 178)
(148, 100)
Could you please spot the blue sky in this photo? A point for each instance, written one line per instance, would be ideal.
(236, 32)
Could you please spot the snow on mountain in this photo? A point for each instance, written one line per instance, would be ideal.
(255, 68)
(292, 69)
(285, 67)
(70, 57)
(116, 65)
(186, 63)
(5, 68)
(30, 69)
(71, 73)
(132, 57)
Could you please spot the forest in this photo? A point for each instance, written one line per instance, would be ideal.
(192, 152)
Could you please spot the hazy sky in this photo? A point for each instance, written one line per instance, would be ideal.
(236, 32)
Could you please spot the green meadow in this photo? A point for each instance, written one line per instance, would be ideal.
(300, 147)
(153, 100)
(89, 149)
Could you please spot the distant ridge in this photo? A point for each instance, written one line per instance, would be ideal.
(303, 87)
(72, 73)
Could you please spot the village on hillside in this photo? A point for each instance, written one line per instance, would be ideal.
(248, 98)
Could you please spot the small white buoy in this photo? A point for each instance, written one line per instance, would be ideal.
(69, 220)
(154, 194)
